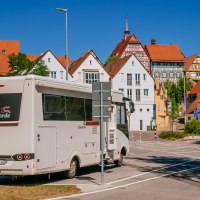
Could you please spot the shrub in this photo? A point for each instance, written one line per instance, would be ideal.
(192, 126)
(169, 135)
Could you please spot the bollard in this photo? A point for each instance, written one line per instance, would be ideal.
(155, 135)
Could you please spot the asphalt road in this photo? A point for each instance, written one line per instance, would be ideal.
(153, 170)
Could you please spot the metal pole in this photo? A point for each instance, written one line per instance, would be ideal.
(65, 11)
(102, 136)
(184, 76)
(66, 47)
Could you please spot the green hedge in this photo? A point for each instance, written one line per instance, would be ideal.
(169, 135)
(192, 126)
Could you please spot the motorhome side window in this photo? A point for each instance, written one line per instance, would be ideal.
(121, 119)
(57, 107)
(121, 114)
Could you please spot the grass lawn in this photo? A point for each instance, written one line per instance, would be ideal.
(36, 192)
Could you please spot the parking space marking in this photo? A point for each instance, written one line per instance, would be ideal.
(155, 170)
(121, 186)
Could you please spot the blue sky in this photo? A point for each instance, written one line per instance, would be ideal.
(99, 24)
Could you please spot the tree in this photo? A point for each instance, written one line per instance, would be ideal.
(180, 87)
(21, 65)
(174, 111)
(111, 58)
(40, 69)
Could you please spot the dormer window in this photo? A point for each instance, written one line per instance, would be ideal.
(3, 51)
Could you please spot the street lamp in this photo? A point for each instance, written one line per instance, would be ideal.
(65, 11)
(184, 77)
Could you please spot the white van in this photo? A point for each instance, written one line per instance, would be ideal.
(46, 126)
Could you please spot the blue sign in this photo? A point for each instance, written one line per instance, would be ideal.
(154, 106)
(196, 114)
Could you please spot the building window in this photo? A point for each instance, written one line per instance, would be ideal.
(144, 77)
(140, 109)
(90, 62)
(137, 79)
(53, 74)
(156, 74)
(147, 109)
(171, 75)
(91, 77)
(49, 60)
(129, 93)
(178, 75)
(61, 74)
(122, 77)
(146, 92)
(164, 75)
(137, 92)
(129, 79)
(3, 51)
(132, 63)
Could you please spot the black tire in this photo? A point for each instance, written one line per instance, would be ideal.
(71, 173)
(119, 161)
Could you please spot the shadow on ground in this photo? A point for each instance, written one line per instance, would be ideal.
(179, 167)
(84, 173)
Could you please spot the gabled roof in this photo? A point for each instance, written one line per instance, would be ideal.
(77, 63)
(193, 105)
(114, 67)
(189, 60)
(60, 59)
(162, 52)
(121, 46)
(195, 89)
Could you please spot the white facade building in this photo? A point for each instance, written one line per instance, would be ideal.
(87, 69)
(130, 76)
(56, 68)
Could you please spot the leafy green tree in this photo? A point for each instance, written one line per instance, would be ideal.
(180, 87)
(40, 69)
(111, 58)
(174, 112)
(167, 85)
(21, 65)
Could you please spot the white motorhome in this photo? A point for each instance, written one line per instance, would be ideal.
(46, 126)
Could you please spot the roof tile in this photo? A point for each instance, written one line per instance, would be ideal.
(165, 52)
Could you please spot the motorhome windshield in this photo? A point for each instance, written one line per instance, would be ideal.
(10, 106)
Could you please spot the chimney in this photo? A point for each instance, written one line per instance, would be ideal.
(153, 41)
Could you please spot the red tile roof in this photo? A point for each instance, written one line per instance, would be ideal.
(193, 105)
(160, 52)
(10, 47)
(195, 89)
(62, 60)
(189, 60)
(32, 58)
(121, 46)
(112, 68)
(77, 63)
